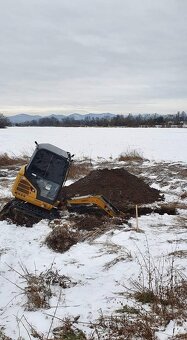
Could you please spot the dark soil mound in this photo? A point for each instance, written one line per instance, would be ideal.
(61, 239)
(119, 186)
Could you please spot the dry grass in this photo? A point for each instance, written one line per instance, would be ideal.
(99, 229)
(164, 292)
(118, 259)
(4, 200)
(159, 295)
(184, 195)
(2, 334)
(79, 169)
(130, 156)
(163, 288)
(182, 336)
(6, 160)
(124, 327)
(170, 208)
(68, 332)
(179, 253)
(38, 287)
(38, 292)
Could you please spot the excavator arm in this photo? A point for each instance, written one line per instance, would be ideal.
(97, 200)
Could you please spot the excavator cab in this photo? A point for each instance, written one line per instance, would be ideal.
(40, 181)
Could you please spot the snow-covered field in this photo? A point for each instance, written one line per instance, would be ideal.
(102, 267)
(153, 143)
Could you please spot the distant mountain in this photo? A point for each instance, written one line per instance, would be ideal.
(59, 117)
(100, 115)
(22, 118)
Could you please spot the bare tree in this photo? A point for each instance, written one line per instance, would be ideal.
(4, 121)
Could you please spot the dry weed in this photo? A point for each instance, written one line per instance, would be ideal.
(131, 156)
(6, 160)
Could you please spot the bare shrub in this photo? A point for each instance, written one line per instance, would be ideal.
(132, 155)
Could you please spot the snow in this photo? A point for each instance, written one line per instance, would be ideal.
(89, 263)
(98, 287)
(166, 144)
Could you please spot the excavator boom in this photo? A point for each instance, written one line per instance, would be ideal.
(97, 200)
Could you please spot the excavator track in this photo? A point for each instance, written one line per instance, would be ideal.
(23, 213)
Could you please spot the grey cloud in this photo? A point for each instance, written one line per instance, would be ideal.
(98, 55)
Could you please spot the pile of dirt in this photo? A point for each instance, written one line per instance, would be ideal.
(119, 186)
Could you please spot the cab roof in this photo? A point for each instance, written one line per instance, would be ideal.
(54, 149)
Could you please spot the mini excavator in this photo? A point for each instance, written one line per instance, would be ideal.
(38, 184)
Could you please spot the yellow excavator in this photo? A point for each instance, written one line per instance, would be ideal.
(38, 184)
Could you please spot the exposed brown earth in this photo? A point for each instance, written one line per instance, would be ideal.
(61, 239)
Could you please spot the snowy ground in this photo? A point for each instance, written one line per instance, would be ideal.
(103, 266)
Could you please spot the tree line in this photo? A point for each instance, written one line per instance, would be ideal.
(141, 120)
(149, 120)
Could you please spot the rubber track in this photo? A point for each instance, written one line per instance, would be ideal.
(26, 210)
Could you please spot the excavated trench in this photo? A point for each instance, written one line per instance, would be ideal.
(118, 186)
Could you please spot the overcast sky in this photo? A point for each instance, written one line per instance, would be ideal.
(85, 56)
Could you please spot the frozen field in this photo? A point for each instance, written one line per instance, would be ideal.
(154, 143)
(105, 264)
